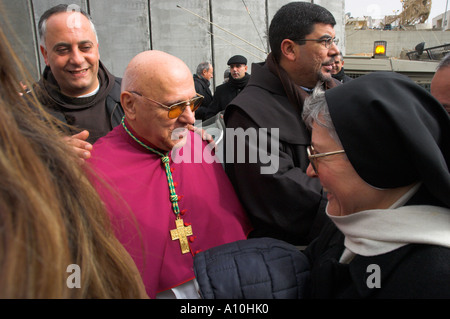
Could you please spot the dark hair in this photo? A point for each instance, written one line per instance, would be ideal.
(294, 21)
(445, 62)
(59, 9)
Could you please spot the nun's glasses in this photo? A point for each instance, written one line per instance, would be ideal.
(312, 155)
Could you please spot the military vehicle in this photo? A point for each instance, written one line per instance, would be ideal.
(419, 64)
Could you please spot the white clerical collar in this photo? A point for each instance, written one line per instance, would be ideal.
(379, 231)
(91, 93)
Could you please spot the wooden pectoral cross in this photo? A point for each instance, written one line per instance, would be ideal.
(181, 233)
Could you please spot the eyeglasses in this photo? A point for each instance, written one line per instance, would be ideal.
(327, 42)
(175, 110)
(312, 155)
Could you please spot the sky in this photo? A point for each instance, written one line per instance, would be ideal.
(380, 8)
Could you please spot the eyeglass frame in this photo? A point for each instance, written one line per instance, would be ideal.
(327, 42)
(311, 157)
(173, 106)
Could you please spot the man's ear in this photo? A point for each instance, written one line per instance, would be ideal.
(288, 49)
(127, 100)
(44, 55)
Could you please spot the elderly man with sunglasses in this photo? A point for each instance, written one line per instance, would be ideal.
(168, 196)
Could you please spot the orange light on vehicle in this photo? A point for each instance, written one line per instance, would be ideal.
(379, 48)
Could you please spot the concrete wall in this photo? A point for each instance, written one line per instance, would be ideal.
(126, 28)
(361, 41)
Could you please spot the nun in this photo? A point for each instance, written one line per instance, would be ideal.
(380, 146)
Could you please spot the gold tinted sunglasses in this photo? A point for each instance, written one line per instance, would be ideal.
(175, 110)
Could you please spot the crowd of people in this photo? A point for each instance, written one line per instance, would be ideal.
(51, 216)
(109, 174)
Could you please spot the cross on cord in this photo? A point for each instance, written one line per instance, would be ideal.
(181, 233)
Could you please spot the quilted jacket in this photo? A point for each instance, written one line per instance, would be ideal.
(257, 268)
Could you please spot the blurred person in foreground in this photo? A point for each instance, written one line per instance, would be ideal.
(51, 217)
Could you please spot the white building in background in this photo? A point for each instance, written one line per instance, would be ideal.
(441, 21)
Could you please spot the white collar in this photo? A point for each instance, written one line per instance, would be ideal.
(378, 231)
(91, 93)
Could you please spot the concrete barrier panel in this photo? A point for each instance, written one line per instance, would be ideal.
(123, 28)
(180, 33)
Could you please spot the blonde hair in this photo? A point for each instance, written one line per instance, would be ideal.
(50, 214)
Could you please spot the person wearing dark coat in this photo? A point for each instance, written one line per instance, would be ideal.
(75, 86)
(338, 69)
(202, 79)
(380, 146)
(286, 204)
(98, 113)
(227, 91)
